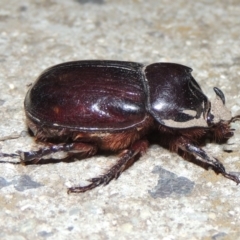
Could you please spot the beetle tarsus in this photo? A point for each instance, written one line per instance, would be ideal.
(216, 165)
(231, 177)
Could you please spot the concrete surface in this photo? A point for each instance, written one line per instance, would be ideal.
(141, 204)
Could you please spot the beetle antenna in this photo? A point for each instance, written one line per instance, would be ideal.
(220, 94)
(235, 118)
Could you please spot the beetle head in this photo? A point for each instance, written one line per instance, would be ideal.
(176, 100)
(217, 110)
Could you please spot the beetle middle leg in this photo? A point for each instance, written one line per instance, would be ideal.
(127, 158)
(72, 150)
(201, 155)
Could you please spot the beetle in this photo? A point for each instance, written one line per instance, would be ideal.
(82, 107)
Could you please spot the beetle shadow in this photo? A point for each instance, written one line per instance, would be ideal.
(11, 162)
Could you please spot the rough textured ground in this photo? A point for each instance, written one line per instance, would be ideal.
(161, 196)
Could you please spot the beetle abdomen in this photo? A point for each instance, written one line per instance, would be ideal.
(91, 95)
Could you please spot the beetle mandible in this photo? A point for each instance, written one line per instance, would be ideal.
(81, 107)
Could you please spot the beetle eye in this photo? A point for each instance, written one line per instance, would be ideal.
(210, 118)
(207, 114)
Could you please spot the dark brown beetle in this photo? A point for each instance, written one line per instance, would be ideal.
(85, 106)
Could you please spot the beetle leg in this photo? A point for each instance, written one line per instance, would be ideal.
(205, 158)
(72, 149)
(127, 158)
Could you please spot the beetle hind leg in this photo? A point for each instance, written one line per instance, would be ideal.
(72, 149)
(127, 158)
(201, 155)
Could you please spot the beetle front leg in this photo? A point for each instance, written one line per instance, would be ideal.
(205, 158)
(126, 159)
(72, 149)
